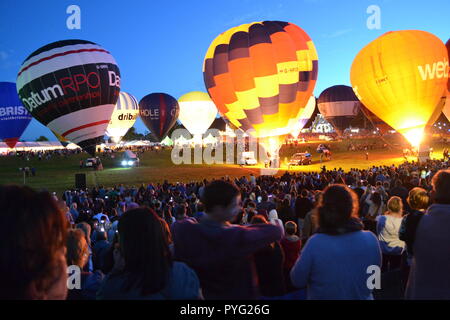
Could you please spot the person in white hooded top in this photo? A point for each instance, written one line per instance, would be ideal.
(388, 227)
(273, 219)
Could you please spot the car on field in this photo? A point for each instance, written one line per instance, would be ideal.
(300, 159)
(130, 159)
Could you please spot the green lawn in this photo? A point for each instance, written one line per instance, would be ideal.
(58, 173)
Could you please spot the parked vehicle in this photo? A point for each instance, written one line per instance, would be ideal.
(299, 159)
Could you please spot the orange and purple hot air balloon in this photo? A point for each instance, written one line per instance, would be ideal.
(260, 75)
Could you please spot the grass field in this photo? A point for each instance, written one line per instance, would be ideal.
(58, 173)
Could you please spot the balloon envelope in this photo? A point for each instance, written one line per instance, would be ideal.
(446, 108)
(401, 77)
(124, 116)
(376, 122)
(71, 86)
(159, 112)
(197, 112)
(64, 142)
(339, 105)
(260, 75)
(14, 118)
(304, 116)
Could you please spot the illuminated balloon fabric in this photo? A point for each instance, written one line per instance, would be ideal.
(339, 105)
(446, 109)
(14, 118)
(304, 116)
(260, 75)
(159, 112)
(64, 142)
(400, 77)
(197, 112)
(124, 116)
(71, 86)
(374, 120)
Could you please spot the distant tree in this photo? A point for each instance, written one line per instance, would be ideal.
(42, 138)
(132, 135)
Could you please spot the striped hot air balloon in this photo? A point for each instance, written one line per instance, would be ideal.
(401, 77)
(71, 86)
(159, 112)
(339, 105)
(124, 116)
(304, 117)
(260, 75)
(64, 142)
(14, 118)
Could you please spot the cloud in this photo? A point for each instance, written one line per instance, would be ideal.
(337, 33)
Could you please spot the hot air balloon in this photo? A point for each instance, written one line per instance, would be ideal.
(446, 108)
(339, 105)
(400, 77)
(71, 86)
(197, 112)
(260, 75)
(304, 116)
(376, 122)
(159, 112)
(64, 142)
(124, 116)
(14, 118)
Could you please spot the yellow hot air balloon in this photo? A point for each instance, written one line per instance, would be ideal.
(197, 112)
(400, 77)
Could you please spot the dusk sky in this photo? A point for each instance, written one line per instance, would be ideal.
(159, 46)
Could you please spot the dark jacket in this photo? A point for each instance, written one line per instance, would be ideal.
(408, 229)
(222, 255)
(302, 207)
(429, 277)
(90, 283)
(269, 263)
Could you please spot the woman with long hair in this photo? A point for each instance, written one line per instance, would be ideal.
(334, 262)
(32, 257)
(77, 254)
(148, 271)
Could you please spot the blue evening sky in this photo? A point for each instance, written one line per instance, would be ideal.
(160, 45)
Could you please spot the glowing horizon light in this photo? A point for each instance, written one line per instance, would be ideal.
(414, 136)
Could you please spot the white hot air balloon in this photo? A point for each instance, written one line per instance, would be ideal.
(124, 116)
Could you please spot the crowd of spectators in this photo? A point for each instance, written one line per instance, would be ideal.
(297, 236)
